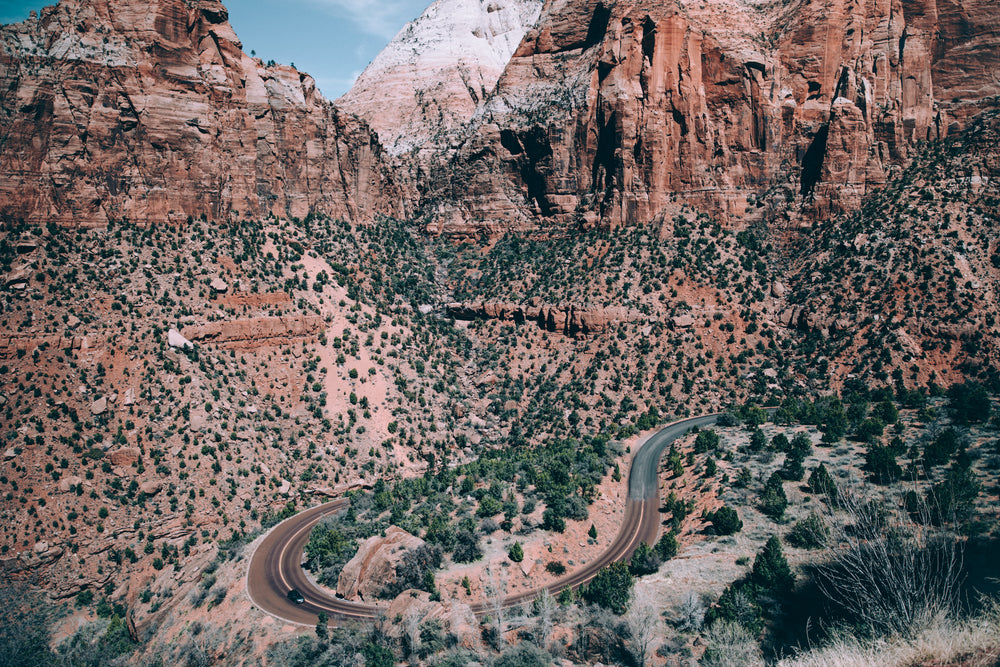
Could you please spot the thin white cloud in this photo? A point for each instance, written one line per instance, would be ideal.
(381, 18)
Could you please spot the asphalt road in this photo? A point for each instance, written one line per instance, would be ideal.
(276, 565)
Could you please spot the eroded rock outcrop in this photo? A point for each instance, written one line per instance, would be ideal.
(568, 320)
(256, 330)
(150, 111)
(374, 565)
(607, 113)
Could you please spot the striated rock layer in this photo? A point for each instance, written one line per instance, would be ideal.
(150, 111)
(620, 112)
(576, 321)
(253, 331)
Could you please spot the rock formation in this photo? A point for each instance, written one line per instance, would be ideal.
(120, 109)
(430, 79)
(374, 565)
(606, 113)
(254, 331)
(615, 112)
(568, 320)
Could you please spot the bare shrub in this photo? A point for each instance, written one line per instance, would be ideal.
(974, 642)
(643, 621)
(729, 644)
(690, 613)
(886, 571)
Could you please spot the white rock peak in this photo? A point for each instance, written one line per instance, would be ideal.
(438, 69)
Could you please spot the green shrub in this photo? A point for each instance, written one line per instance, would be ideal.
(809, 533)
(707, 440)
(644, 561)
(969, 403)
(821, 482)
(726, 521)
(770, 568)
(610, 588)
(666, 546)
(880, 463)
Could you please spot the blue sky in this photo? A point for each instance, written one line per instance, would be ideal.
(332, 40)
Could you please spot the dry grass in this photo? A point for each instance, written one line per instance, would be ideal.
(973, 642)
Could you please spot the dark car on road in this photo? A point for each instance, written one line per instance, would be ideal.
(295, 596)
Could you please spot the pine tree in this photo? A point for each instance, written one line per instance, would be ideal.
(666, 547)
(726, 521)
(710, 467)
(770, 568)
(644, 561)
(322, 632)
(773, 500)
(820, 481)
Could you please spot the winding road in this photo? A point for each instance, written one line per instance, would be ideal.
(276, 565)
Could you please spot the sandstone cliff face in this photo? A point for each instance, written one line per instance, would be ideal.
(607, 113)
(150, 111)
(427, 83)
(618, 112)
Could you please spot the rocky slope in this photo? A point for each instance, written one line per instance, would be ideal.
(617, 112)
(907, 285)
(431, 78)
(152, 112)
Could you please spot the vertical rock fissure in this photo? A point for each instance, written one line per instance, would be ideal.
(603, 176)
(812, 162)
(648, 39)
(598, 26)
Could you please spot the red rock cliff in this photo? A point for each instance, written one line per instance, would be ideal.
(151, 111)
(618, 112)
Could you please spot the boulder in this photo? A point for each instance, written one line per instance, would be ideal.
(151, 487)
(374, 565)
(219, 285)
(100, 406)
(682, 322)
(175, 339)
(125, 456)
(67, 483)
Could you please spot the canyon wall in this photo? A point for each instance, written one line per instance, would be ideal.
(607, 113)
(618, 113)
(150, 111)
